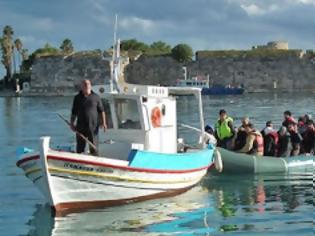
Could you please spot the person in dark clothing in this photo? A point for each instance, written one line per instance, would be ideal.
(308, 143)
(288, 118)
(86, 110)
(268, 128)
(296, 139)
(284, 143)
(241, 135)
(271, 139)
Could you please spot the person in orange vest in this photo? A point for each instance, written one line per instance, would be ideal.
(254, 141)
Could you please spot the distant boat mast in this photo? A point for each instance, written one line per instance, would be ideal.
(115, 64)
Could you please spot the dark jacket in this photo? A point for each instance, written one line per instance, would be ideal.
(87, 110)
(308, 143)
(284, 145)
(271, 141)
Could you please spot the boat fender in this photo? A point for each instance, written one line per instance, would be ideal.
(156, 117)
(218, 164)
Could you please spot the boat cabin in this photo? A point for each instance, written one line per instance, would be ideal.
(194, 82)
(143, 118)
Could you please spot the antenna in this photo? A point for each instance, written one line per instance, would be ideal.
(115, 60)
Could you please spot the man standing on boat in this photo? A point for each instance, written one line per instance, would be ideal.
(86, 110)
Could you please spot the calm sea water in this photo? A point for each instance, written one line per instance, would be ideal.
(238, 205)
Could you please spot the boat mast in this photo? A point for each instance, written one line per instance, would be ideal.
(115, 63)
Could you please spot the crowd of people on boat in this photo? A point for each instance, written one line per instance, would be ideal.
(295, 137)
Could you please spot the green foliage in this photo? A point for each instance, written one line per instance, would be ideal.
(182, 53)
(158, 48)
(18, 44)
(254, 53)
(8, 31)
(66, 46)
(133, 44)
(134, 47)
(47, 50)
(7, 52)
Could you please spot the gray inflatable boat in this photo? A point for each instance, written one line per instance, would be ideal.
(234, 162)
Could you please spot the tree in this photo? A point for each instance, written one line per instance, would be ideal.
(7, 52)
(133, 44)
(161, 47)
(46, 50)
(182, 53)
(24, 54)
(19, 46)
(28, 61)
(66, 46)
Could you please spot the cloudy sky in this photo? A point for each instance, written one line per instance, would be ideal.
(203, 24)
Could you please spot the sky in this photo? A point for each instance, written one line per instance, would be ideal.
(203, 24)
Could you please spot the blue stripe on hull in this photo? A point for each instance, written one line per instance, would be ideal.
(177, 161)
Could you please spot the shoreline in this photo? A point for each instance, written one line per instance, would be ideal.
(8, 93)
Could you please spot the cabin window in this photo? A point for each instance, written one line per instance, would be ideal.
(108, 113)
(127, 114)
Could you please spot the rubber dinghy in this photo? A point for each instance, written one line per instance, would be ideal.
(239, 163)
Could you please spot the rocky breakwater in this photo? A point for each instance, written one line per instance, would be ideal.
(61, 75)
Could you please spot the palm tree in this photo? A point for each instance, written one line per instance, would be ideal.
(7, 48)
(24, 53)
(66, 46)
(19, 46)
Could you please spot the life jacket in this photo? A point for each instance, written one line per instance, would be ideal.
(274, 149)
(275, 136)
(288, 120)
(223, 130)
(259, 140)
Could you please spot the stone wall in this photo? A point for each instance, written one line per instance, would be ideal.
(256, 74)
(59, 75)
(153, 70)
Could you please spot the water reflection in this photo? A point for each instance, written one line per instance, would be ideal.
(220, 204)
(133, 219)
(259, 200)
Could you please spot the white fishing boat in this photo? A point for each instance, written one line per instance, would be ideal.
(141, 159)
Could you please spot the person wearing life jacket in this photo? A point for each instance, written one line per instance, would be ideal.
(254, 142)
(224, 130)
(288, 118)
(271, 139)
(241, 135)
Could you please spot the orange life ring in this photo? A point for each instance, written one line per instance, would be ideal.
(156, 117)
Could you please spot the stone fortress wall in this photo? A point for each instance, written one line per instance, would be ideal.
(280, 70)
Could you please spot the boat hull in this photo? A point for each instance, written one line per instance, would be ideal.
(242, 163)
(72, 181)
(222, 91)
